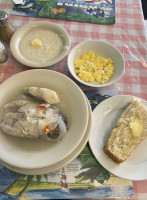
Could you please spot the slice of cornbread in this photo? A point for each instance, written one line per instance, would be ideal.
(129, 131)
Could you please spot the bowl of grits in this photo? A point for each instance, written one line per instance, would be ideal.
(96, 63)
(40, 44)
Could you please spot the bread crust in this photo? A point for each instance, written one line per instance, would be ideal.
(112, 156)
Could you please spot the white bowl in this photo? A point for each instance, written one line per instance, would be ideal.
(58, 165)
(35, 154)
(27, 28)
(103, 49)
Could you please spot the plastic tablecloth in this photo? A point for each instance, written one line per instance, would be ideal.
(127, 34)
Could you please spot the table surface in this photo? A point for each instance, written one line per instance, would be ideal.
(127, 34)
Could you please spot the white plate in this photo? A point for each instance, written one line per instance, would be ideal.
(105, 116)
(27, 28)
(33, 154)
(63, 162)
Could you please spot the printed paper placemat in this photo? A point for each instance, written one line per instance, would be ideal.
(90, 11)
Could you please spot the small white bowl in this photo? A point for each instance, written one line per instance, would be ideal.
(103, 49)
(27, 28)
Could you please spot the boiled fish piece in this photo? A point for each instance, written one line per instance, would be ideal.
(28, 119)
(11, 107)
(14, 122)
(44, 94)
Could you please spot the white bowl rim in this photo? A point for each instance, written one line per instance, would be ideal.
(95, 85)
(19, 57)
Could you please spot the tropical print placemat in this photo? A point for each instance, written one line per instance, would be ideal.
(91, 11)
(83, 178)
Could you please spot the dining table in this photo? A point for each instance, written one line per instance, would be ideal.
(127, 34)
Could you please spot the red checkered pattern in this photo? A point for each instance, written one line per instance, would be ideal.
(127, 34)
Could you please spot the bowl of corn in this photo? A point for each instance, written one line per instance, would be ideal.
(96, 63)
